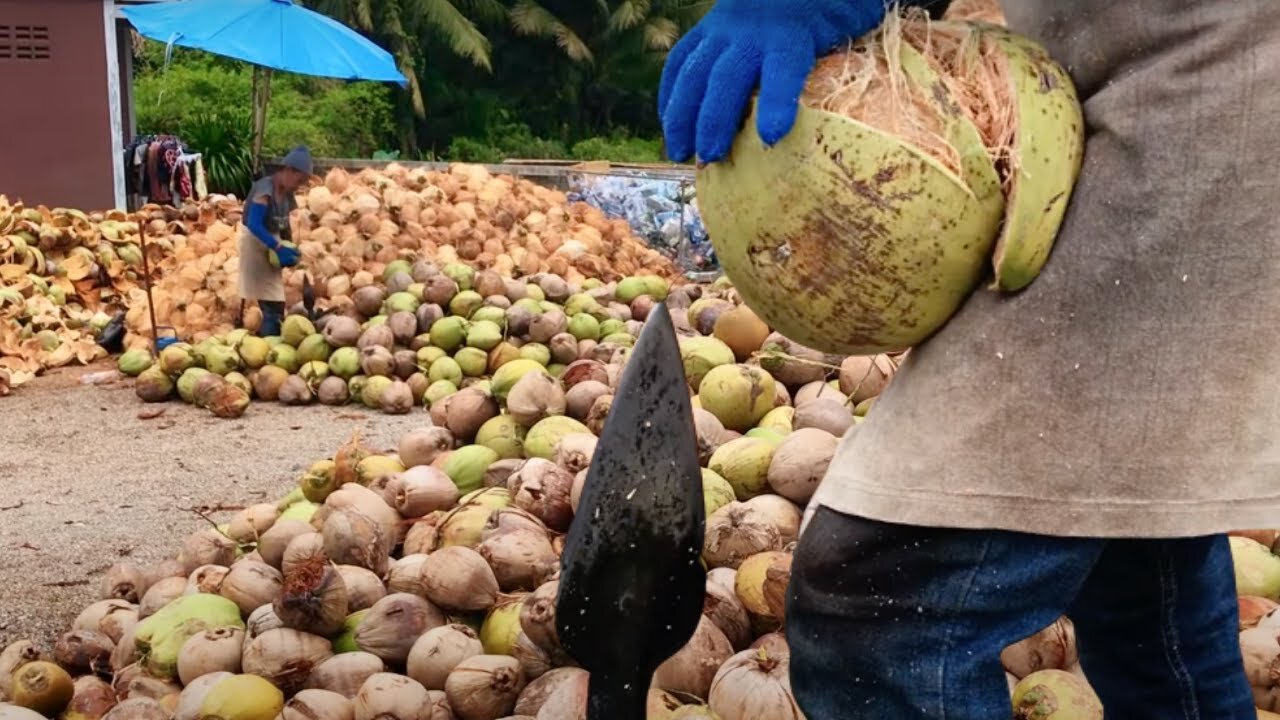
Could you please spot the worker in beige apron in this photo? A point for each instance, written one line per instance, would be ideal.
(1080, 447)
(266, 225)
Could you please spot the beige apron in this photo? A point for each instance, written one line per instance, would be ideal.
(258, 280)
(1134, 389)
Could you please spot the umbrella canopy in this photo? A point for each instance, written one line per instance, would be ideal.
(275, 34)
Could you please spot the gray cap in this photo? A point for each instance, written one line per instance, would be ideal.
(299, 159)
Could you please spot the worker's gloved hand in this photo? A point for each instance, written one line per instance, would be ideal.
(711, 73)
(288, 255)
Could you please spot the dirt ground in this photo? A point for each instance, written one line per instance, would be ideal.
(85, 481)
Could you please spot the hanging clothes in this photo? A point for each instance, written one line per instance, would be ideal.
(162, 169)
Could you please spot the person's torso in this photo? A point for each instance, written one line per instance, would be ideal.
(278, 208)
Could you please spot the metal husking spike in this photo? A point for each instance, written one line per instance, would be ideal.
(631, 583)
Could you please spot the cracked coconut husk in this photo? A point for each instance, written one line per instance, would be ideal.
(866, 82)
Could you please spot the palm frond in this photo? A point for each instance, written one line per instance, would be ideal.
(362, 12)
(462, 35)
(492, 10)
(530, 18)
(629, 14)
(661, 34)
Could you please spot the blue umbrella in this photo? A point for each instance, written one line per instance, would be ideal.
(272, 34)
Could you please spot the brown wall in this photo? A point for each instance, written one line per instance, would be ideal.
(55, 140)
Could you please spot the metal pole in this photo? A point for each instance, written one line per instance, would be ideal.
(151, 306)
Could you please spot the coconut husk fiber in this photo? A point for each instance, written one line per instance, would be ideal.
(866, 82)
(975, 10)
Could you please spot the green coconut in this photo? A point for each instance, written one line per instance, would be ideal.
(738, 395)
(176, 358)
(371, 396)
(584, 327)
(545, 435)
(160, 636)
(313, 348)
(462, 274)
(465, 303)
(656, 287)
(134, 362)
(630, 288)
(767, 434)
(345, 362)
(437, 391)
(503, 435)
(489, 313)
(509, 374)
(1257, 569)
(1055, 695)
(303, 511)
(267, 382)
(612, 326)
(295, 329)
(448, 332)
(789, 222)
(355, 387)
(429, 354)
(274, 258)
(536, 352)
(530, 304)
(222, 360)
(701, 355)
(314, 373)
(242, 697)
(484, 335)
(253, 352)
(187, 383)
(778, 420)
(400, 302)
(716, 491)
(346, 640)
(284, 356)
(396, 266)
(466, 466)
(153, 385)
(744, 463)
(472, 361)
(446, 368)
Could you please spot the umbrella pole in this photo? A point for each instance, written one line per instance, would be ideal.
(261, 99)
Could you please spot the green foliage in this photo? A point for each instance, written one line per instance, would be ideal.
(226, 141)
(489, 80)
(333, 118)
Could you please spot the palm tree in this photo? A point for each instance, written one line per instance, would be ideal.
(616, 47)
(578, 26)
(403, 26)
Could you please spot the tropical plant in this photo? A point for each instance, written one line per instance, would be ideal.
(405, 26)
(225, 140)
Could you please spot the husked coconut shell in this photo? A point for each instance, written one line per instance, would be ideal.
(377, 335)
(826, 414)
(341, 331)
(863, 377)
(800, 463)
(368, 300)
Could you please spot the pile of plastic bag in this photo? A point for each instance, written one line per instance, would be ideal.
(663, 212)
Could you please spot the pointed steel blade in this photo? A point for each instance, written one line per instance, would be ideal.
(631, 584)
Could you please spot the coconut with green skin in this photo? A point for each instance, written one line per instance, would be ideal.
(822, 234)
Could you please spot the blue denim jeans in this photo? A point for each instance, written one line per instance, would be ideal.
(889, 622)
(272, 317)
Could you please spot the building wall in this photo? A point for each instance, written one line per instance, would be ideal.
(57, 148)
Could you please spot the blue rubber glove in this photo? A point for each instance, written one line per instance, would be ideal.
(711, 73)
(257, 224)
(288, 255)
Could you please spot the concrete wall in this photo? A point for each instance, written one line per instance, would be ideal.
(58, 135)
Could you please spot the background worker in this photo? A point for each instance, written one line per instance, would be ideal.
(266, 225)
(1079, 447)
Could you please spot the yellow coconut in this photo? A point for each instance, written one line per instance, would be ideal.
(881, 209)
